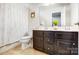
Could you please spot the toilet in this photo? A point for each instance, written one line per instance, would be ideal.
(25, 42)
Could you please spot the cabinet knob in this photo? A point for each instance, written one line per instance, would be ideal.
(73, 43)
(48, 40)
(48, 48)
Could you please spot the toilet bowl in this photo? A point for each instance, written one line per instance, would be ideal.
(25, 42)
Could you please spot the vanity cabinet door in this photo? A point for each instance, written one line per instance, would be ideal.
(49, 42)
(49, 37)
(66, 43)
(48, 48)
(63, 47)
(66, 48)
(38, 40)
(75, 44)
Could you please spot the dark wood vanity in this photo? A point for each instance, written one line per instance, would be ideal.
(56, 42)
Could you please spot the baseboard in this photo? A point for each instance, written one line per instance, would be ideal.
(8, 47)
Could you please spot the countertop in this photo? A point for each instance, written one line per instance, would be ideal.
(58, 29)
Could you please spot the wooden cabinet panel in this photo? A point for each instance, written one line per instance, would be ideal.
(64, 35)
(48, 48)
(49, 42)
(66, 43)
(38, 40)
(49, 37)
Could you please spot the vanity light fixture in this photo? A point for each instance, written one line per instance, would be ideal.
(33, 14)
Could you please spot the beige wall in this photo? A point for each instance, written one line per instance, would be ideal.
(33, 22)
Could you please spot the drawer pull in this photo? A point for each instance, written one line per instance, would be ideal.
(48, 40)
(48, 48)
(73, 43)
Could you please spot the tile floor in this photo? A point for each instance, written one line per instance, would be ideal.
(18, 51)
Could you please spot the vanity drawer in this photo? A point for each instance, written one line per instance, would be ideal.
(49, 40)
(66, 44)
(49, 34)
(64, 35)
(48, 47)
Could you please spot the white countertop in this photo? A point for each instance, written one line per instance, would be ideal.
(58, 29)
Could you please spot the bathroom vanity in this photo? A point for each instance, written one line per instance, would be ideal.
(56, 42)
